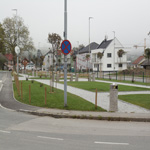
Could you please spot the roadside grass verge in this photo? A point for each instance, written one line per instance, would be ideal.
(124, 81)
(142, 100)
(54, 100)
(103, 87)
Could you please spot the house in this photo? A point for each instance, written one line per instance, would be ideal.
(110, 60)
(82, 62)
(137, 63)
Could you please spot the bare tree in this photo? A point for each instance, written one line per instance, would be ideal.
(120, 54)
(55, 40)
(99, 56)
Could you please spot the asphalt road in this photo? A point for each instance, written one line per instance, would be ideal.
(19, 131)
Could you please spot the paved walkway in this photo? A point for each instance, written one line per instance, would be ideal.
(103, 97)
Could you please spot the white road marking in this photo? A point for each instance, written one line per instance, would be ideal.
(111, 143)
(5, 131)
(51, 138)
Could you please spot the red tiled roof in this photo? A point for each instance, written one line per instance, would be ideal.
(9, 57)
(138, 60)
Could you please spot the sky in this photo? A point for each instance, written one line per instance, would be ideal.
(130, 19)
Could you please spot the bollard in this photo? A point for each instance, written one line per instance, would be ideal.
(77, 76)
(93, 76)
(113, 106)
(89, 77)
(71, 78)
(57, 77)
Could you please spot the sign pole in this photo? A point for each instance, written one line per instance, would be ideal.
(65, 56)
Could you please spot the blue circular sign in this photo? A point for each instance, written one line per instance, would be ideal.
(66, 47)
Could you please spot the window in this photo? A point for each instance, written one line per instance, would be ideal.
(120, 65)
(95, 65)
(108, 65)
(108, 55)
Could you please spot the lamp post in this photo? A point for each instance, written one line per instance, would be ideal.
(17, 50)
(89, 40)
(114, 51)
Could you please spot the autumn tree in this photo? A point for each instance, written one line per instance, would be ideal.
(2, 40)
(11, 26)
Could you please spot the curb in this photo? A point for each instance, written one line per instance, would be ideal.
(110, 118)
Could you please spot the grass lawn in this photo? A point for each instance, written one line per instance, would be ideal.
(54, 100)
(123, 81)
(142, 100)
(102, 87)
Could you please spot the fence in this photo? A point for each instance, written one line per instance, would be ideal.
(126, 76)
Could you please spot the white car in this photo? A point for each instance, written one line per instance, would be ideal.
(30, 67)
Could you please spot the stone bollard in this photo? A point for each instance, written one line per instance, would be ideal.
(71, 78)
(113, 106)
(57, 77)
(53, 76)
(36, 73)
(93, 77)
(89, 77)
(77, 76)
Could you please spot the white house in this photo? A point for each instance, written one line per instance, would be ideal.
(110, 60)
(82, 63)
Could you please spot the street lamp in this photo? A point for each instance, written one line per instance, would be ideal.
(17, 50)
(114, 51)
(89, 40)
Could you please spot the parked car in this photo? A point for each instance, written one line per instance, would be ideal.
(30, 67)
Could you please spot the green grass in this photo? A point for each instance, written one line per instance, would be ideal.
(54, 100)
(102, 87)
(123, 81)
(142, 100)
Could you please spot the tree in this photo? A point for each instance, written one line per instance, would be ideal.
(99, 56)
(120, 54)
(55, 40)
(2, 40)
(74, 60)
(3, 60)
(147, 53)
(87, 59)
(10, 26)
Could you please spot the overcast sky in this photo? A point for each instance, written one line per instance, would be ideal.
(130, 19)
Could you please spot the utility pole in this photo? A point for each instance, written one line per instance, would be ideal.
(17, 50)
(65, 56)
(89, 41)
(114, 51)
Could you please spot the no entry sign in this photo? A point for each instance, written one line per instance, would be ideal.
(66, 47)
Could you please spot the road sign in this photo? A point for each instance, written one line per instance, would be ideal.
(17, 50)
(66, 47)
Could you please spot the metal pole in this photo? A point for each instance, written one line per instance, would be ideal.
(89, 42)
(114, 50)
(17, 35)
(65, 56)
